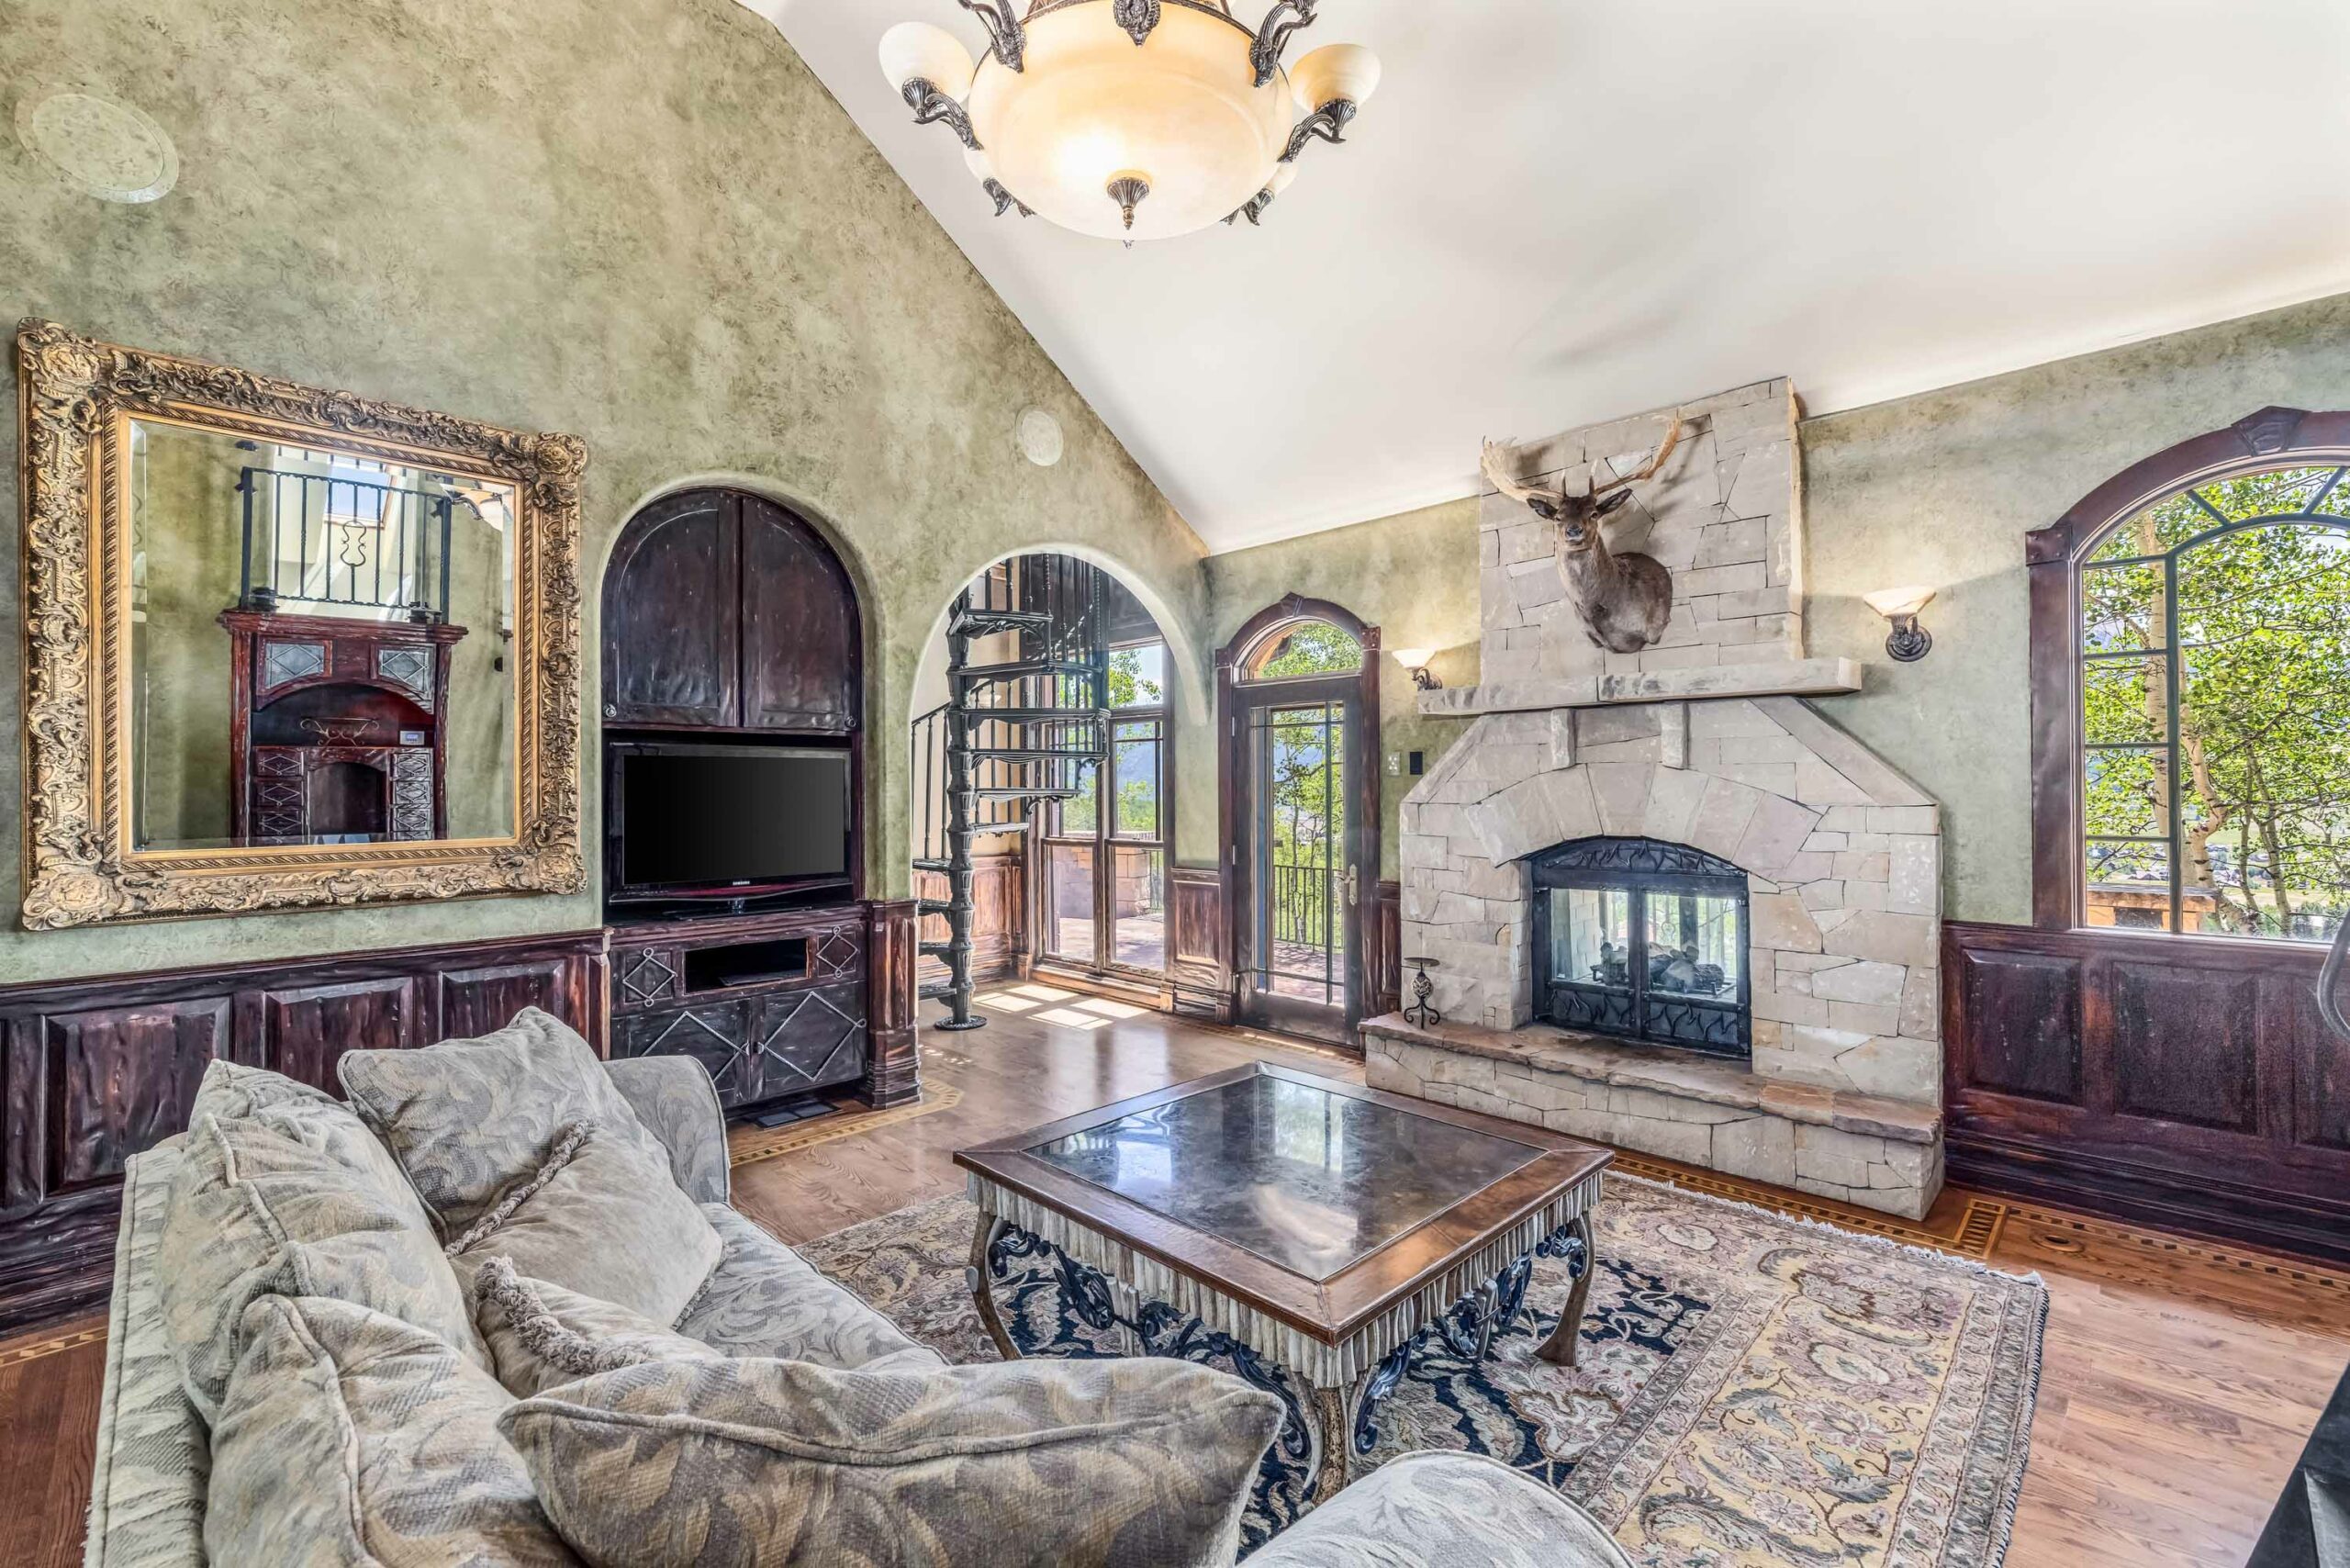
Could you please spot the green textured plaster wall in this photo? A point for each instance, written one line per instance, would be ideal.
(1941, 490)
(1415, 578)
(641, 221)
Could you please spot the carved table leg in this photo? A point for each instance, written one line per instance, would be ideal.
(1560, 1348)
(975, 1275)
(1334, 1413)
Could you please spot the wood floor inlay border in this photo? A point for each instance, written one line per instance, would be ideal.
(748, 1146)
(1977, 1230)
(14, 1352)
(2063, 1224)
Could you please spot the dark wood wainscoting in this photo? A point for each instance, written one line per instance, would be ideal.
(999, 916)
(96, 1070)
(2169, 1081)
(1384, 932)
(1199, 969)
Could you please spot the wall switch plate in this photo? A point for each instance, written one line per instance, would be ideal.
(1394, 762)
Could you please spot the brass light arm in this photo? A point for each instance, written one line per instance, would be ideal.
(931, 106)
(1272, 37)
(1329, 122)
(1005, 34)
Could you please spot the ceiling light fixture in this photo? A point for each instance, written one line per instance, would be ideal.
(1130, 120)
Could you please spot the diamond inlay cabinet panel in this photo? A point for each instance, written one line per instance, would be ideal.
(773, 1005)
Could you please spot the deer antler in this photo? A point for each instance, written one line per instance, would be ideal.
(1671, 440)
(1496, 463)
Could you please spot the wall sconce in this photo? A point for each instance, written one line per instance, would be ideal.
(1909, 641)
(1416, 661)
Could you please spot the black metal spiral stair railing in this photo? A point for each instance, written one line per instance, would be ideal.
(1011, 735)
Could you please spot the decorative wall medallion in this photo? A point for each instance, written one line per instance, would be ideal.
(410, 669)
(1039, 436)
(282, 662)
(111, 151)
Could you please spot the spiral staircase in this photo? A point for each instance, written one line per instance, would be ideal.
(1015, 732)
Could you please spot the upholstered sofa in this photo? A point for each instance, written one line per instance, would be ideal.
(154, 1464)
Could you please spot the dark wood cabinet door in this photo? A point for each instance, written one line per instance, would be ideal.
(476, 1000)
(810, 1039)
(799, 631)
(672, 615)
(715, 1034)
(103, 1083)
(303, 1030)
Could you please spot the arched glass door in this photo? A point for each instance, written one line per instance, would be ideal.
(1300, 764)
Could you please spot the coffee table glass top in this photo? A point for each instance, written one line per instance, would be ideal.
(1305, 1178)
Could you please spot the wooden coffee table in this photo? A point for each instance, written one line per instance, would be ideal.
(1316, 1224)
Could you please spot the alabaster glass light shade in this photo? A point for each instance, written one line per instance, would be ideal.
(1893, 602)
(916, 50)
(1181, 111)
(1335, 71)
(1412, 658)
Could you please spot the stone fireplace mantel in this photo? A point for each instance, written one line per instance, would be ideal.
(1775, 677)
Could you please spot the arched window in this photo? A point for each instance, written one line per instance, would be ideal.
(2209, 641)
(1302, 648)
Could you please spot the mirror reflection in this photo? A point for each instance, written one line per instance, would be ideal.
(320, 645)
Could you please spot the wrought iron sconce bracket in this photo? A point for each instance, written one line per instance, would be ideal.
(1909, 642)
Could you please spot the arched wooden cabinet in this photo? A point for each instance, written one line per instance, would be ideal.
(724, 611)
(727, 616)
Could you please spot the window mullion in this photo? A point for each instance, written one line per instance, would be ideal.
(2177, 782)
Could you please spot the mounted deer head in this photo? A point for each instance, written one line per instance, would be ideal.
(1625, 598)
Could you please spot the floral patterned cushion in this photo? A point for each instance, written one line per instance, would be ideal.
(764, 1300)
(1444, 1510)
(262, 1204)
(541, 1336)
(349, 1437)
(1140, 1463)
(602, 1218)
(467, 1119)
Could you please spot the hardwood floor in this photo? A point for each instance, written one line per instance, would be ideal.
(2181, 1378)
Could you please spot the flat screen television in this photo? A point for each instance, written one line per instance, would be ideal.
(697, 821)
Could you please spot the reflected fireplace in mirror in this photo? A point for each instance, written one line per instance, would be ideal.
(1642, 940)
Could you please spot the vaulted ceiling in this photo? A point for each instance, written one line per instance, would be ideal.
(1559, 212)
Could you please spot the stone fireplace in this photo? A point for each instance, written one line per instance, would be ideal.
(1671, 905)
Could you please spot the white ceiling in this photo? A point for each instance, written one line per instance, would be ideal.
(1560, 212)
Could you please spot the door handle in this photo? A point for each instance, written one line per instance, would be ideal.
(1354, 887)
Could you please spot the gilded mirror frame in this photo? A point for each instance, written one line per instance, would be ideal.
(76, 399)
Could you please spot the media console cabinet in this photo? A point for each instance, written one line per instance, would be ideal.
(773, 1005)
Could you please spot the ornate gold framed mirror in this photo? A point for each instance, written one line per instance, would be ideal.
(287, 647)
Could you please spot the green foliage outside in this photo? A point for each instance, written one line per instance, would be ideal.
(1312, 647)
(2263, 702)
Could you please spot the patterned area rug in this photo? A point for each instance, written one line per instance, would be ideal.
(1752, 1389)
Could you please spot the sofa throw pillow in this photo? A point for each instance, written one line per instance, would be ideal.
(599, 1216)
(256, 1209)
(351, 1439)
(1140, 1462)
(541, 1336)
(465, 1118)
(310, 1116)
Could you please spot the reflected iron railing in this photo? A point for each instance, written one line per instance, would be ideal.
(332, 539)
